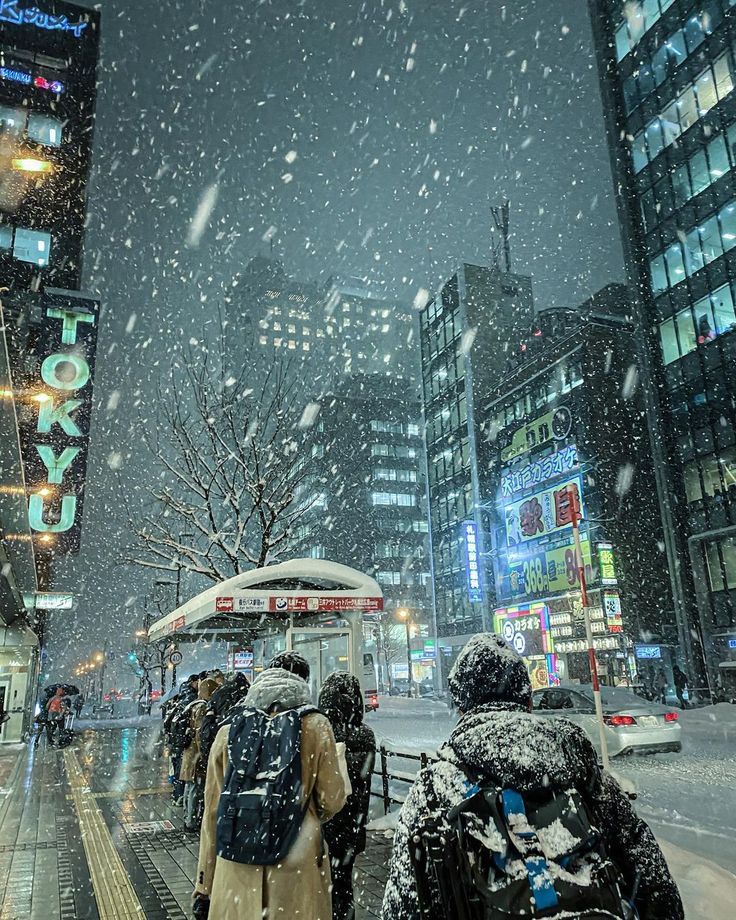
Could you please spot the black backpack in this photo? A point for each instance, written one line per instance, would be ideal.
(181, 733)
(500, 854)
(260, 812)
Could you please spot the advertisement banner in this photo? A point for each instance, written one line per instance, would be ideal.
(324, 604)
(527, 629)
(240, 604)
(537, 574)
(543, 513)
(55, 427)
(472, 562)
(516, 480)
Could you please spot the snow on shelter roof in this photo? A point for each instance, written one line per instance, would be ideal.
(299, 588)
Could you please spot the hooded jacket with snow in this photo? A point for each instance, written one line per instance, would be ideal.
(341, 700)
(506, 746)
(194, 712)
(298, 887)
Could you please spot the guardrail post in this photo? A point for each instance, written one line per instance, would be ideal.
(423, 760)
(384, 780)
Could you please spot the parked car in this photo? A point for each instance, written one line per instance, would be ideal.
(399, 687)
(631, 723)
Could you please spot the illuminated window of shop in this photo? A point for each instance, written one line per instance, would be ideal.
(6, 236)
(44, 129)
(32, 246)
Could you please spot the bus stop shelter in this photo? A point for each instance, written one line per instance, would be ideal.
(310, 605)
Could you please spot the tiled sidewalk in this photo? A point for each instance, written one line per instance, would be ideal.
(106, 785)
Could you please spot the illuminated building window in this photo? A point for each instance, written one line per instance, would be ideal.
(291, 328)
(346, 321)
(292, 344)
(385, 327)
(32, 246)
(12, 120)
(44, 129)
(277, 342)
(262, 340)
(277, 327)
(6, 237)
(305, 346)
(384, 314)
(305, 332)
(263, 323)
(346, 308)
(320, 333)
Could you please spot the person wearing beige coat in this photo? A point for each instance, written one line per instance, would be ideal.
(299, 887)
(190, 757)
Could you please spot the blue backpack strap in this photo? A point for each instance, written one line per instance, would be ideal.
(537, 867)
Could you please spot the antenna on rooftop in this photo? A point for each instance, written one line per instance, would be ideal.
(500, 215)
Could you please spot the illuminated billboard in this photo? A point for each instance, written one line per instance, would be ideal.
(522, 477)
(544, 513)
(472, 562)
(527, 629)
(546, 571)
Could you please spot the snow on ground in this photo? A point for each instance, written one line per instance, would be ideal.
(689, 799)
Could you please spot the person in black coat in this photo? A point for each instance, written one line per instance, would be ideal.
(218, 713)
(341, 700)
(500, 741)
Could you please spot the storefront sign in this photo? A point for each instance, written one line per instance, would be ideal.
(606, 564)
(517, 480)
(11, 11)
(552, 425)
(526, 628)
(543, 513)
(56, 435)
(22, 76)
(47, 601)
(472, 562)
(545, 572)
(648, 652)
(240, 604)
(612, 611)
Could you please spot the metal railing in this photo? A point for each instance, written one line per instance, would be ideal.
(387, 775)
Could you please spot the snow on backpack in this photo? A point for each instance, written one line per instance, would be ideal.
(182, 732)
(500, 854)
(260, 812)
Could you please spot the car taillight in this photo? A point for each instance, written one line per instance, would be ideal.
(671, 717)
(374, 701)
(619, 720)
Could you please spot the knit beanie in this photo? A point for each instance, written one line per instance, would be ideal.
(293, 662)
(488, 670)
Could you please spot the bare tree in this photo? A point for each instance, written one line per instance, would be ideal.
(234, 473)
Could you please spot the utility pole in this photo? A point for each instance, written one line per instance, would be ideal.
(574, 503)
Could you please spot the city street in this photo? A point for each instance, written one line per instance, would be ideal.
(89, 831)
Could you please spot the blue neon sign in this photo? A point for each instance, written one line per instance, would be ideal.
(472, 562)
(20, 76)
(32, 16)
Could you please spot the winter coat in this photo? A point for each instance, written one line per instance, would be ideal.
(299, 887)
(508, 747)
(195, 712)
(341, 700)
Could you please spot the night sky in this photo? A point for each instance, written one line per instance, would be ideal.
(366, 138)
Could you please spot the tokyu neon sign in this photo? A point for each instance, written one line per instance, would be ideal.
(32, 16)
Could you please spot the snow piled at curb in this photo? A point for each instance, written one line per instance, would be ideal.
(708, 891)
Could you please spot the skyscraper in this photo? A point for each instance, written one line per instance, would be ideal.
(466, 334)
(667, 75)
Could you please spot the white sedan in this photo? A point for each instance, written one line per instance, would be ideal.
(631, 723)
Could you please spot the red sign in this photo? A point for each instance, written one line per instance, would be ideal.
(224, 605)
(178, 623)
(320, 604)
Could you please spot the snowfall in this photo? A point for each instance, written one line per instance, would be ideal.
(688, 799)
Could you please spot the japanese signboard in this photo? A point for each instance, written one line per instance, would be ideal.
(324, 604)
(552, 425)
(516, 480)
(240, 604)
(612, 611)
(526, 628)
(543, 513)
(472, 562)
(545, 572)
(606, 564)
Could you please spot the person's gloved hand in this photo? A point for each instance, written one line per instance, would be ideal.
(201, 907)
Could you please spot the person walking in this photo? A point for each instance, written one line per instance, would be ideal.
(194, 713)
(55, 715)
(341, 700)
(78, 704)
(545, 825)
(284, 874)
(681, 684)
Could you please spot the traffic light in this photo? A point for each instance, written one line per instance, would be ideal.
(132, 657)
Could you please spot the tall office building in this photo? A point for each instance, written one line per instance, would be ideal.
(465, 331)
(668, 73)
(48, 60)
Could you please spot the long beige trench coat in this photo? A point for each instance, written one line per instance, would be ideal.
(298, 888)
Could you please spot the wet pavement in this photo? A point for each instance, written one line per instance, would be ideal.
(72, 844)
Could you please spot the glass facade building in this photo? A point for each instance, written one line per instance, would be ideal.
(464, 334)
(668, 73)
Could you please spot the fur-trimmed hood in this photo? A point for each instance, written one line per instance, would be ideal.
(275, 690)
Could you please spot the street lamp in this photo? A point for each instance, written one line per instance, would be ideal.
(405, 615)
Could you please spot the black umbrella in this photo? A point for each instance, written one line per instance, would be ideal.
(69, 689)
